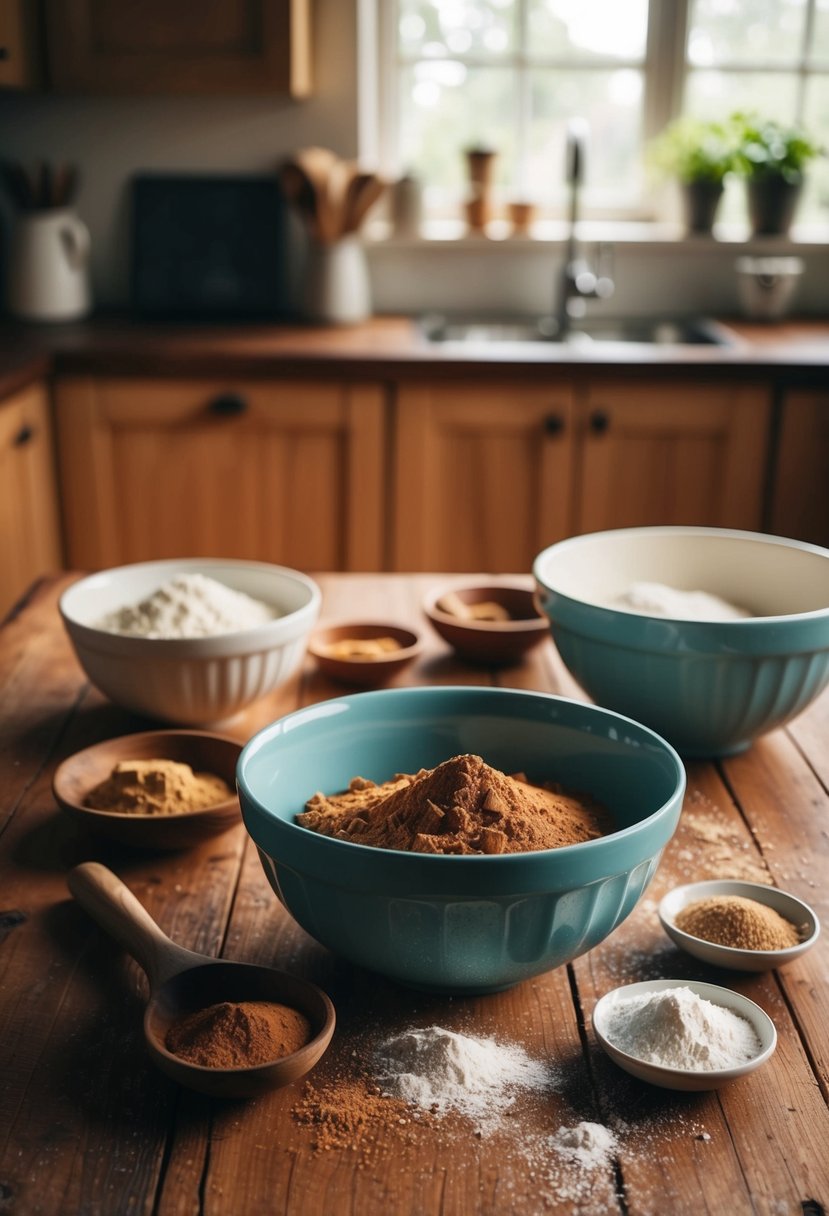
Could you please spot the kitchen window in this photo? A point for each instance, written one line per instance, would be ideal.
(508, 74)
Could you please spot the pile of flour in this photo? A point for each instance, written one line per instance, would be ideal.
(657, 599)
(438, 1069)
(188, 606)
(676, 1028)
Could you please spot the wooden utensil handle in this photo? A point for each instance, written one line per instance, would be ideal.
(116, 910)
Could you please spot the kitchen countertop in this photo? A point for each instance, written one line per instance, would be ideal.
(90, 1127)
(386, 347)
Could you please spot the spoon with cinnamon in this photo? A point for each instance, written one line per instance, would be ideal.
(183, 982)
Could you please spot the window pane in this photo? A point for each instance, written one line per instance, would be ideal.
(439, 28)
(815, 202)
(611, 102)
(446, 107)
(583, 29)
(717, 94)
(820, 37)
(745, 31)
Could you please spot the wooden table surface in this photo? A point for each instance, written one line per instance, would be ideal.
(88, 1126)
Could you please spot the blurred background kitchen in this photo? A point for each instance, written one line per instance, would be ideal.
(237, 236)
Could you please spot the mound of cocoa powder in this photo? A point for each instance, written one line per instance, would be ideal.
(461, 806)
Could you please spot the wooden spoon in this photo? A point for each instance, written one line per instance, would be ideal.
(182, 981)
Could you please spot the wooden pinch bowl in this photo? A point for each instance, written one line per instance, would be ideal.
(363, 670)
(489, 643)
(182, 982)
(203, 751)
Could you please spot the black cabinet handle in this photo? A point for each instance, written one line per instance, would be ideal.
(25, 435)
(553, 424)
(599, 422)
(228, 405)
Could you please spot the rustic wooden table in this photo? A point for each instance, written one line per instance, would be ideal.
(87, 1125)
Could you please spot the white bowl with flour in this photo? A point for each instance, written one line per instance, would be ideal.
(681, 1034)
(202, 659)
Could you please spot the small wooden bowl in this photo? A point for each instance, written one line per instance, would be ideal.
(363, 670)
(489, 642)
(204, 752)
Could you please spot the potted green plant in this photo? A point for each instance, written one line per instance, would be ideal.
(772, 158)
(699, 154)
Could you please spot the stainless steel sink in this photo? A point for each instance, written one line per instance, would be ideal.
(485, 331)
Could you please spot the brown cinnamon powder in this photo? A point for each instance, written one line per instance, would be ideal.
(461, 806)
(733, 920)
(238, 1034)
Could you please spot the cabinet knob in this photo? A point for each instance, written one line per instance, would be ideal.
(228, 405)
(599, 422)
(25, 435)
(553, 424)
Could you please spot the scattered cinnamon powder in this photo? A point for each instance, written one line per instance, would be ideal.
(461, 806)
(156, 787)
(733, 920)
(239, 1034)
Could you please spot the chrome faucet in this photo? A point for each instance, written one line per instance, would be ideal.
(579, 280)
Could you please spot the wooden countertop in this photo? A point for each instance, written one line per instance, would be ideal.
(384, 347)
(90, 1127)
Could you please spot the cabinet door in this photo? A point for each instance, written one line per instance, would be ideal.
(229, 46)
(672, 454)
(29, 532)
(289, 473)
(19, 43)
(482, 475)
(800, 490)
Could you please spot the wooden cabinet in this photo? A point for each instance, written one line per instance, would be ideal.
(483, 475)
(288, 472)
(20, 66)
(669, 453)
(29, 532)
(800, 479)
(228, 46)
(487, 476)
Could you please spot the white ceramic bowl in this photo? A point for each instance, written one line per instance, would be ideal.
(709, 687)
(191, 681)
(788, 906)
(682, 1078)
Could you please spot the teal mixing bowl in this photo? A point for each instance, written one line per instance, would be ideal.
(709, 687)
(459, 924)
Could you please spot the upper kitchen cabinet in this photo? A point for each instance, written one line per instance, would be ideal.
(20, 64)
(159, 47)
(29, 529)
(287, 472)
(671, 452)
(483, 474)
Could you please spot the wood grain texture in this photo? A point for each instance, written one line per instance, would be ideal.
(87, 1126)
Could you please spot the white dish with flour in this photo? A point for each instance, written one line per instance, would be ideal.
(698, 1039)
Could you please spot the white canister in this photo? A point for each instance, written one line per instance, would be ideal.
(48, 277)
(766, 285)
(337, 289)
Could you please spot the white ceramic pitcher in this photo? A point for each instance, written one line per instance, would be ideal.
(48, 276)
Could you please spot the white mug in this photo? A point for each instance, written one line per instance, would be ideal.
(48, 276)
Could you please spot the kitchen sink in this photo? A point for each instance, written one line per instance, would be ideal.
(485, 331)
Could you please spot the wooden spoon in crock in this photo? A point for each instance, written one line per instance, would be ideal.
(182, 981)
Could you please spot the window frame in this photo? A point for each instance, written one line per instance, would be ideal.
(665, 73)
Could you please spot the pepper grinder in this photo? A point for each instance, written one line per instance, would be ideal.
(480, 164)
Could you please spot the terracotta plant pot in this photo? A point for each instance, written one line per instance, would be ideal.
(700, 202)
(772, 203)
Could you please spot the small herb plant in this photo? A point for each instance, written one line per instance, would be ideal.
(693, 150)
(766, 148)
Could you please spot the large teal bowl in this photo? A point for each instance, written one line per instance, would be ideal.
(459, 923)
(709, 687)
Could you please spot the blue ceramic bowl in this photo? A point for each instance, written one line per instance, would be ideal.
(459, 924)
(708, 687)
